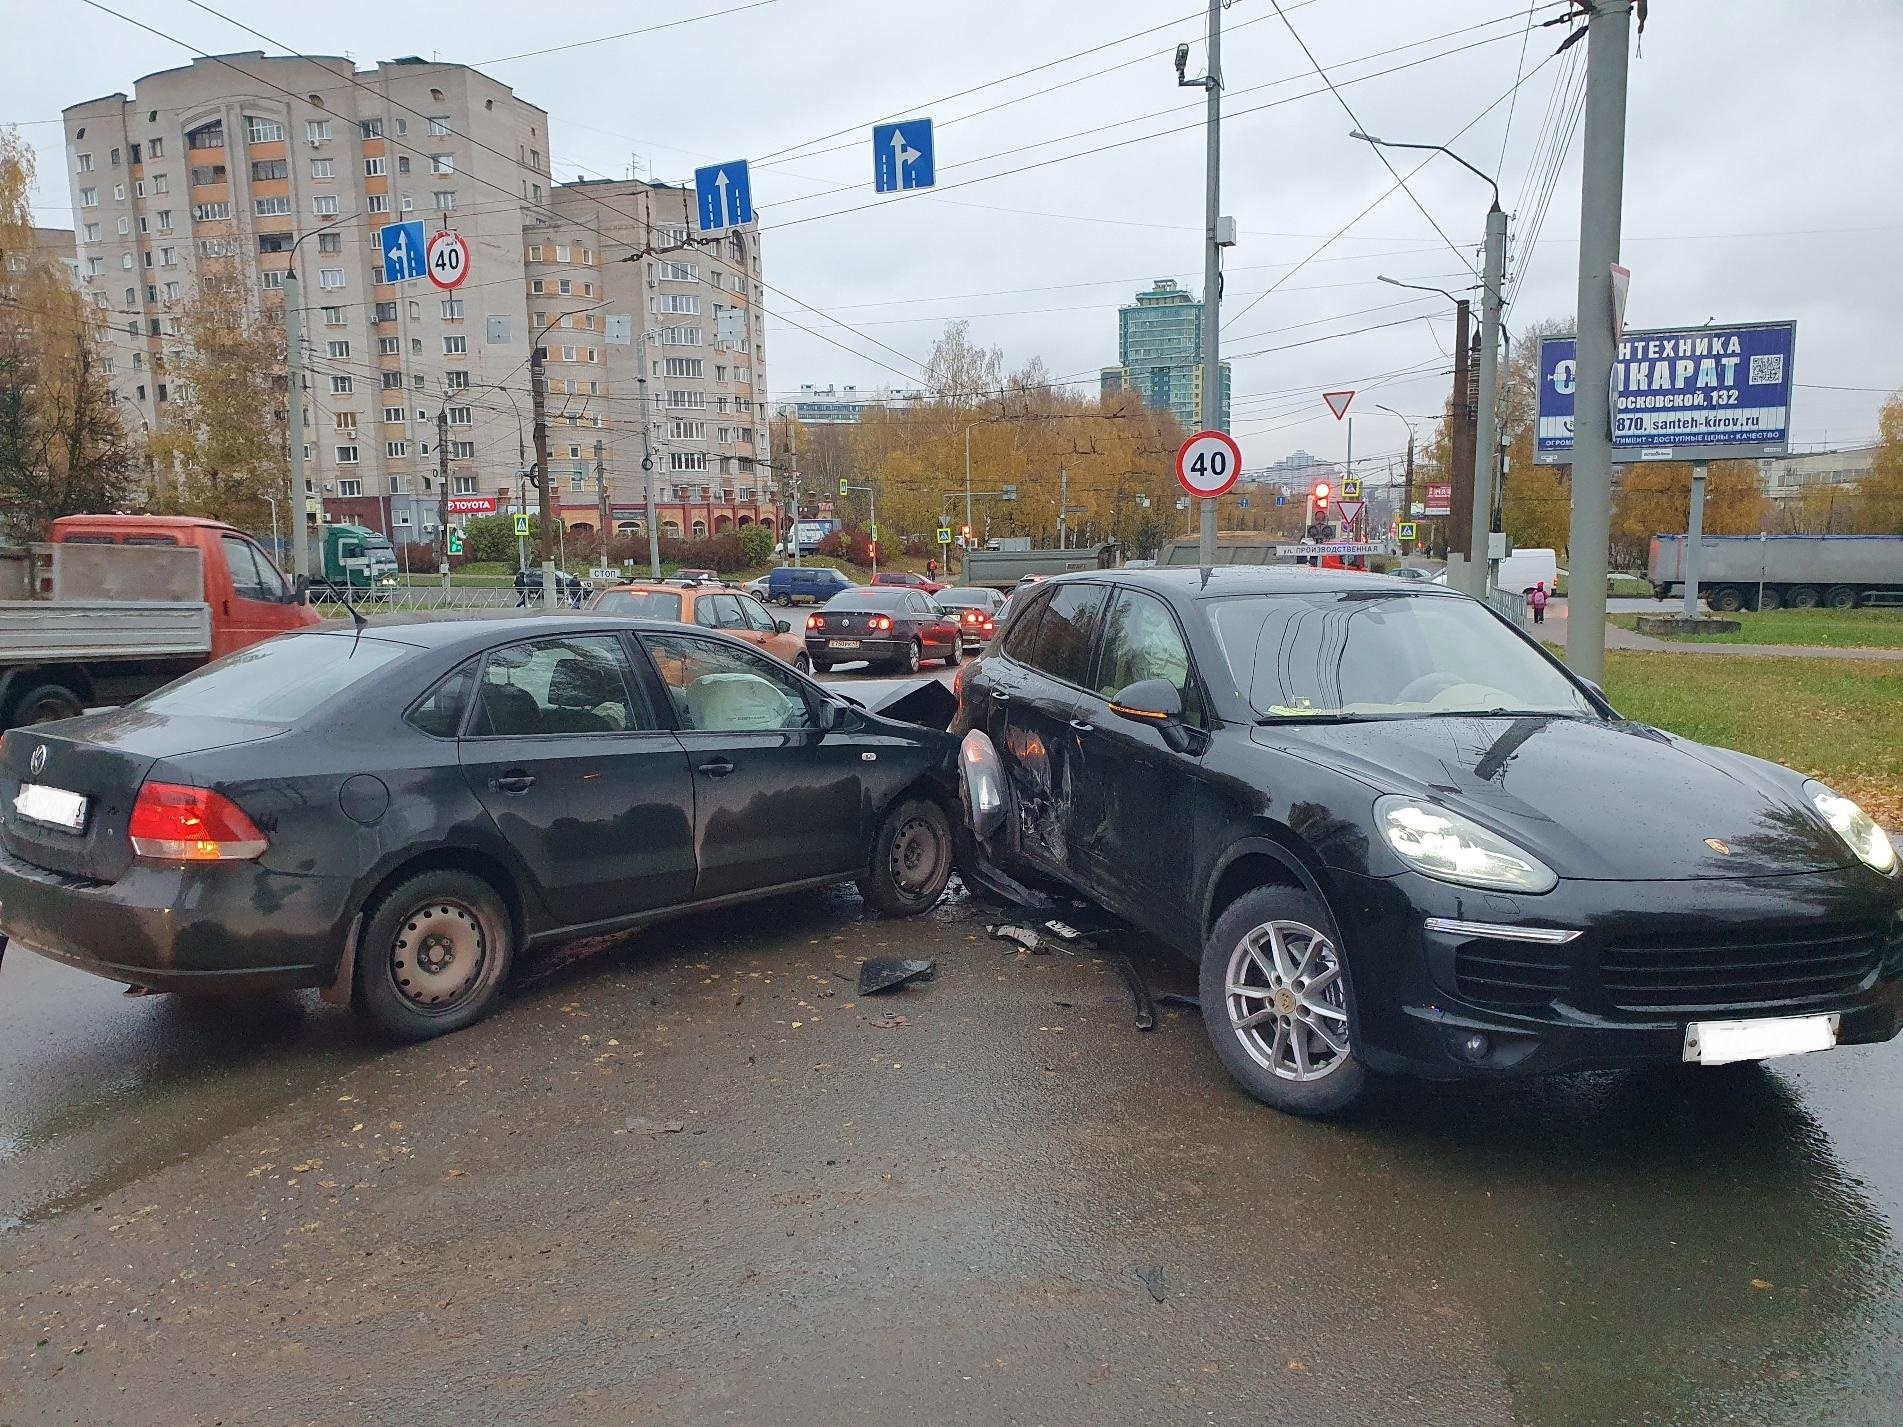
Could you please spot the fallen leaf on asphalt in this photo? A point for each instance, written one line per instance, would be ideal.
(309, 1228)
(307, 1166)
(356, 1127)
(345, 1099)
(1759, 1283)
(260, 1169)
(1297, 1365)
(454, 1174)
(396, 1124)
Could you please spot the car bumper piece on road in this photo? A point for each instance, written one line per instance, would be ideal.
(1440, 994)
(175, 927)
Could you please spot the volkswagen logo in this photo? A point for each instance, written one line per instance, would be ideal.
(37, 763)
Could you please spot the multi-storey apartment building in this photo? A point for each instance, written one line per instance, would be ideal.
(244, 160)
(654, 347)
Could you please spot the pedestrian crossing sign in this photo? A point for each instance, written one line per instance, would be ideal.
(521, 525)
(1405, 530)
(944, 535)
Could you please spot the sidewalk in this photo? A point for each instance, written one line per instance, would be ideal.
(1619, 638)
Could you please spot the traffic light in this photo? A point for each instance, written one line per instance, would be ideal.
(964, 535)
(844, 486)
(1321, 499)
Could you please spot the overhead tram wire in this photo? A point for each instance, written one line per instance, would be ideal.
(1381, 198)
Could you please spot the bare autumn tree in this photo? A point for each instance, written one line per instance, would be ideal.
(961, 372)
(63, 448)
(223, 444)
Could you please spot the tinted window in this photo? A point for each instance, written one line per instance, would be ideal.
(149, 539)
(720, 688)
(705, 613)
(569, 685)
(1021, 634)
(1377, 655)
(893, 600)
(980, 599)
(278, 681)
(650, 604)
(439, 713)
(1066, 633)
(728, 614)
(757, 619)
(1142, 641)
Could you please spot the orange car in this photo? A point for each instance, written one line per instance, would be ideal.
(710, 607)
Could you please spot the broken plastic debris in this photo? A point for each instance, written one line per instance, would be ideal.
(889, 973)
(1152, 1279)
(1022, 937)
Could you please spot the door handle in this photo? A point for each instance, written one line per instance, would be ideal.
(1082, 725)
(516, 782)
(717, 768)
(999, 696)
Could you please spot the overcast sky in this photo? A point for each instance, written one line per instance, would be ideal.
(1764, 146)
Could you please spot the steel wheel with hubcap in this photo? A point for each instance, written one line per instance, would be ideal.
(910, 861)
(433, 954)
(1277, 1002)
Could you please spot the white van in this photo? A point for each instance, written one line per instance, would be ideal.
(1523, 569)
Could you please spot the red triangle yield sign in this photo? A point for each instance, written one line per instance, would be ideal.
(1338, 402)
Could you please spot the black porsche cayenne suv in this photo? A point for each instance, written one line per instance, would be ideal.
(1400, 837)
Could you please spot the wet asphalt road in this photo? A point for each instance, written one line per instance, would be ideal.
(688, 1176)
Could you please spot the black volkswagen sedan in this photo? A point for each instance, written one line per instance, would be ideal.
(1399, 837)
(394, 815)
(897, 629)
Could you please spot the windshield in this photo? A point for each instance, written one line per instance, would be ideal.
(278, 681)
(981, 598)
(652, 604)
(1386, 655)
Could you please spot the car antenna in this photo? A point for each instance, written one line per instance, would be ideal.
(356, 615)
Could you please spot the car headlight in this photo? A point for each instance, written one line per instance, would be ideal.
(1856, 827)
(1454, 849)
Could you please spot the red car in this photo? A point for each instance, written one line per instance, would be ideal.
(907, 579)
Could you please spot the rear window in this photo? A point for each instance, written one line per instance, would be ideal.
(649, 604)
(278, 681)
(869, 599)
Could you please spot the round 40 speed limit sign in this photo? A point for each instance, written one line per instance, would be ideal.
(1208, 463)
(447, 260)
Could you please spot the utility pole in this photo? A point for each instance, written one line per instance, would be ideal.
(601, 506)
(294, 363)
(1695, 535)
(1461, 510)
(1211, 83)
(1348, 470)
(653, 521)
(442, 483)
(1063, 503)
(1602, 195)
(790, 529)
(538, 398)
(1487, 439)
(521, 493)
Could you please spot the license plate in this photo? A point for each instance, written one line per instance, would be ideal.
(54, 807)
(842, 644)
(1722, 1042)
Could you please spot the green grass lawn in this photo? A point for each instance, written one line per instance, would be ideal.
(1829, 628)
(1838, 720)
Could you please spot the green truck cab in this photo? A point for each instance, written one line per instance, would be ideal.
(355, 561)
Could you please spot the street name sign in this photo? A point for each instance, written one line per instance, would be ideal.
(1686, 394)
(1332, 547)
(902, 156)
(402, 247)
(1208, 463)
(723, 196)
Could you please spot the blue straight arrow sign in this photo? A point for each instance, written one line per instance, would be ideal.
(723, 196)
(902, 156)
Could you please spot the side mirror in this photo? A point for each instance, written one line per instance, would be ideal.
(783, 626)
(1153, 701)
(830, 714)
(300, 591)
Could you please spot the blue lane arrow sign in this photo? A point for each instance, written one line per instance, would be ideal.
(402, 245)
(902, 156)
(723, 196)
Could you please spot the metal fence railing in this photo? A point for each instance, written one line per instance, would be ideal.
(465, 601)
(1510, 604)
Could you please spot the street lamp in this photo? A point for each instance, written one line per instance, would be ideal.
(1407, 482)
(1488, 436)
(538, 398)
(1462, 412)
(294, 372)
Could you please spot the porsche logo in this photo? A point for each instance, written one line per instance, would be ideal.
(1716, 846)
(37, 763)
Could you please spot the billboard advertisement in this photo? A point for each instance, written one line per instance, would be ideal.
(1440, 499)
(1697, 394)
(472, 505)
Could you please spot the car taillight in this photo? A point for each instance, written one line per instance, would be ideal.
(880, 621)
(813, 621)
(179, 824)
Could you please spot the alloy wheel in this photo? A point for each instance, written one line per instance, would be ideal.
(438, 956)
(1286, 1002)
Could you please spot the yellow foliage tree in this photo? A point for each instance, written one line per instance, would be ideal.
(1879, 496)
(63, 448)
(223, 444)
